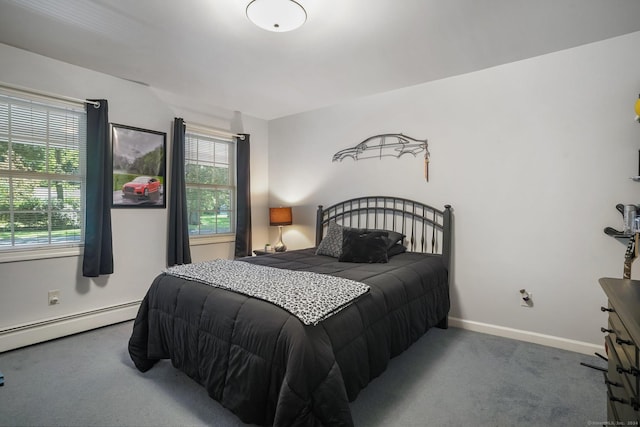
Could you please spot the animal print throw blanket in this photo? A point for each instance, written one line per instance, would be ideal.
(311, 297)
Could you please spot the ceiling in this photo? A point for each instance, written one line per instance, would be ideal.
(207, 51)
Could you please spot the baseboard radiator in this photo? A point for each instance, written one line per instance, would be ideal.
(58, 327)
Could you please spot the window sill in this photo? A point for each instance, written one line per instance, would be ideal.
(211, 240)
(40, 253)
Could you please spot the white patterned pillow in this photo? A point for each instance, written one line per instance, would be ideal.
(331, 244)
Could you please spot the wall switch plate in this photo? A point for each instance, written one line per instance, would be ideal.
(54, 297)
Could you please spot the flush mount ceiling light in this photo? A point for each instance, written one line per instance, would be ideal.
(276, 15)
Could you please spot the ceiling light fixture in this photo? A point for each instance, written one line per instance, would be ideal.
(276, 15)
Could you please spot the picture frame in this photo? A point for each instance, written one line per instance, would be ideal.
(139, 159)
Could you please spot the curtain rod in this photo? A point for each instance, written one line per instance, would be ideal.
(220, 132)
(48, 94)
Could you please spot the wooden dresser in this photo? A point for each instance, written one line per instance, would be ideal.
(622, 341)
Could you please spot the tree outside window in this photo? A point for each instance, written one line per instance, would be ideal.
(41, 172)
(210, 184)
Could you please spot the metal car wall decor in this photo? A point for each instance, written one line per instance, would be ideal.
(387, 145)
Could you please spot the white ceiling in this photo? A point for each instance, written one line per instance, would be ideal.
(208, 51)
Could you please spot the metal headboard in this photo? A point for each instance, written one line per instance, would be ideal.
(428, 229)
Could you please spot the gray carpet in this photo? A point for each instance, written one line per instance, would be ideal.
(449, 377)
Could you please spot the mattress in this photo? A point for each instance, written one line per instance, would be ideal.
(264, 364)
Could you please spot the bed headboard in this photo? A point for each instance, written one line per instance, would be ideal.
(428, 229)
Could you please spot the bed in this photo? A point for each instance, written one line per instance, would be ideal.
(271, 367)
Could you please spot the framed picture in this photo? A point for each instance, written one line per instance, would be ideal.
(139, 163)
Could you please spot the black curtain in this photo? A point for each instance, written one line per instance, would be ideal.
(243, 224)
(178, 250)
(98, 247)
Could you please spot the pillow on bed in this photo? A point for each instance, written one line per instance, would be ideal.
(331, 244)
(392, 238)
(362, 246)
(396, 249)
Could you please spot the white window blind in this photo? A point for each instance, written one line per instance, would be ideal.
(42, 171)
(210, 183)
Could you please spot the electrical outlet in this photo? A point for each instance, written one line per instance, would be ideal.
(54, 297)
(528, 303)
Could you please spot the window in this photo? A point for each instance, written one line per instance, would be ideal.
(42, 156)
(210, 182)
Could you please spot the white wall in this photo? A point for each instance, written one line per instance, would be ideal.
(138, 255)
(532, 155)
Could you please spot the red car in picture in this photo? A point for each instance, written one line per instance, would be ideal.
(142, 186)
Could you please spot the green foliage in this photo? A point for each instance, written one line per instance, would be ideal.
(33, 212)
(29, 157)
(150, 164)
(64, 161)
(120, 179)
(211, 223)
(205, 200)
(206, 174)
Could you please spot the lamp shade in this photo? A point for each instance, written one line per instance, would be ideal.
(276, 15)
(280, 216)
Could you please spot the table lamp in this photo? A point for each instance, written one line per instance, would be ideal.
(280, 217)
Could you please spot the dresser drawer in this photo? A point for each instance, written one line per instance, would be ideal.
(620, 406)
(618, 402)
(623, 338)
(620, 372)
(612, 415)
(619, 409)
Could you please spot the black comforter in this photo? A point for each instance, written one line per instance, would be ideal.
(269, 368)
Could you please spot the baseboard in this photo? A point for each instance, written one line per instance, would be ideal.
(533, 337)
(33, 333)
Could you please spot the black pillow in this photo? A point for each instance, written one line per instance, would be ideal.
(362, 246)
(393, 237)
(396, 249)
